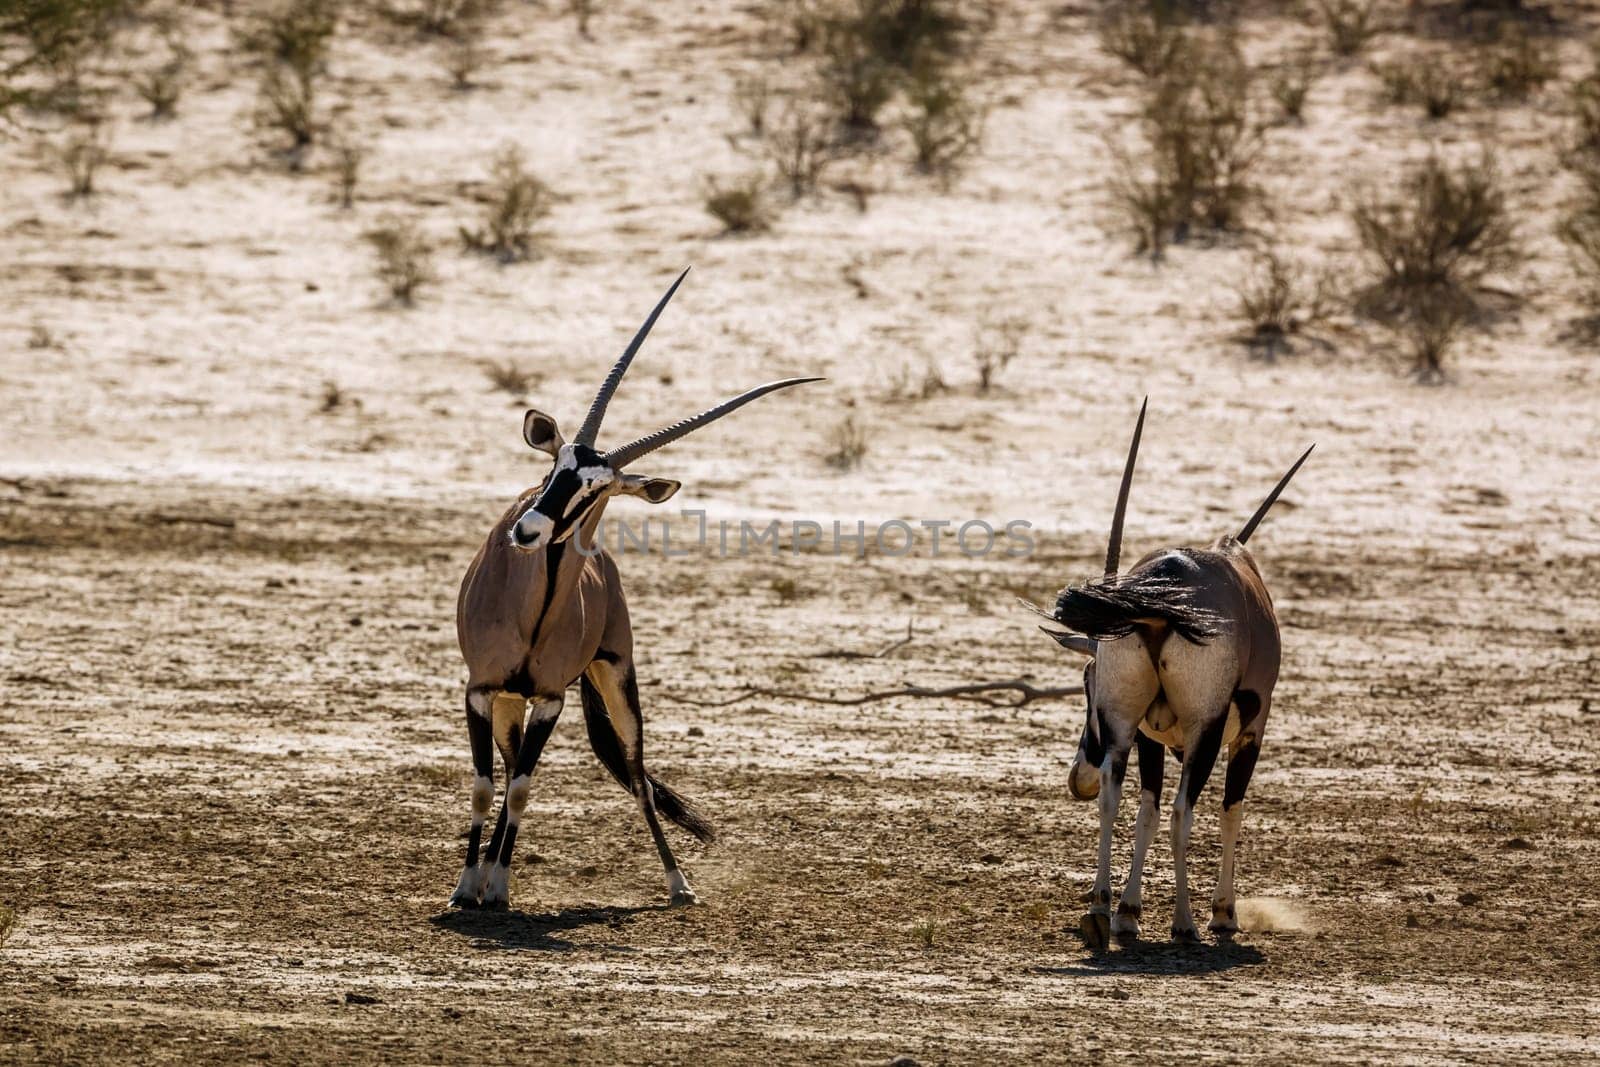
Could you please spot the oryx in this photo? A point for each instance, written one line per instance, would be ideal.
(1185, 654)
(541, 607)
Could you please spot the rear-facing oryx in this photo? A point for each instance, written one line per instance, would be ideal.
(537, 612)
(1185, 655)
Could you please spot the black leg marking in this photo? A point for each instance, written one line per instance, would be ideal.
(480, 732)
(1151, 755)
(1197, 768)
(1241, 765)
(528, 749)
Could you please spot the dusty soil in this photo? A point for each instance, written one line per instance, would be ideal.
(233, 771)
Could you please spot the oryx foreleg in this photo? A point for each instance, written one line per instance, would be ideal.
(520, 746)
(1151, 755)
(1241, 764)
(1200, 756)
(480, 733)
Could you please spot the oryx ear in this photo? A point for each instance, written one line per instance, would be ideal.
(541, 432)
(655, 490)
(1072, 642)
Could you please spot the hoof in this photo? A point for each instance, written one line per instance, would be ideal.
(1223, 922)
(497, 889)
(1187, 935)
(678, 890)
(469, 890)
(1126, 923)
(1095, 927)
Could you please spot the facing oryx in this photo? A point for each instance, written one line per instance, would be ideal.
(1185, 655)
(535, 614)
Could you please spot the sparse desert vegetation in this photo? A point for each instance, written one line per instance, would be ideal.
(404, 258)
(238, 488)
(514, 203)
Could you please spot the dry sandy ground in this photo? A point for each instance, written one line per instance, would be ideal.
(232, 773)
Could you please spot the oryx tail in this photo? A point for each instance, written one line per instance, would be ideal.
(1108, 608)
(603, 739)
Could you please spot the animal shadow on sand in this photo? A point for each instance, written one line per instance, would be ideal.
(527, 932)
(1165, 957)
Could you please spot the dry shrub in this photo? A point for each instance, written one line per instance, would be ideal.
(741, 205)
(1517, 64)
(998, 342)
(8, 922)
(461, 19)
(1291, 84)
(82, 152)
(348, 157)
(1277, 302)
(293, 41)
(752, 97)
(1149, 37)
(945, 123)
(871, 47)
(516, 202)
(847, 443)
(1201, 143)
(161, 85)
(1350, 24)
(907, 384)
(1427, 81)
(463, 58)
(297, 33)
(1430, 243)
(1585, 104)
(800, 147)
(510, 377)
(404, 258)
(582, 12)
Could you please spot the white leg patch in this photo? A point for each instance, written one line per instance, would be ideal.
(497, 888)
(469, 890)
(678, 889)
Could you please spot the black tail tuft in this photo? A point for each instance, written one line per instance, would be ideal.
(603, 739)
(672, 804)
(1108, 608)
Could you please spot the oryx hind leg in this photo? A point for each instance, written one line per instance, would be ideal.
(1125, 685)
(1152, 754)
(617, 689)
(1241, 765)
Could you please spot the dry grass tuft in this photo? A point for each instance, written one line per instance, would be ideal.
(510, 377)
(1517, 64)
(1277, 302)
(1291, 84)
(741, 205)
(348, 157)
(81, 153)
(516, 202)
(404, 258)
(1350, 24)
(998, 341)
(1428, 81)
(161, 85)
(847, 444)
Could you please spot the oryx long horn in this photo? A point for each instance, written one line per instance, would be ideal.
(1114, 544)
(621, 457)
(1272, 498)
(597, 410)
